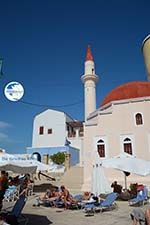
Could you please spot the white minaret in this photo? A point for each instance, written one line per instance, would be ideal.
(89, 79)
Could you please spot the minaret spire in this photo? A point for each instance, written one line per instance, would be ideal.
(89, 55)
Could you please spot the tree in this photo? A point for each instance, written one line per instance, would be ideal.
(58, 158)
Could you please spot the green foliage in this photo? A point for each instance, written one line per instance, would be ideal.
(58, 158)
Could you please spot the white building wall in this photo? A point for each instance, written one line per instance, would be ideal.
(76, 142)
(49, 119)
(148, 137)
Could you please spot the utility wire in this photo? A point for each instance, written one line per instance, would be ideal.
(50, 106)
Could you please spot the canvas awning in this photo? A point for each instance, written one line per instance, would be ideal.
(18, 167)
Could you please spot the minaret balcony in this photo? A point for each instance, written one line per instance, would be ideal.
(87, 77)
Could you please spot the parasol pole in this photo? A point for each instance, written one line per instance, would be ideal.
(125, 180)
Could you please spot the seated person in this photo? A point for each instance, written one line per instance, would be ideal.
(86, 195)
(15, 180)
(49, 198)
(117, 188)
(23, 191)
(133, 190)
(66, 197)
(54, 195)
(30, 186)
(94, 199)
(140, 217)
(46, 195)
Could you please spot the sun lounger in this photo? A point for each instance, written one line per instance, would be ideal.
(107, 204)
(88, 208)
(15, 215)
(78, 197)
(140, 199)
(59, 203)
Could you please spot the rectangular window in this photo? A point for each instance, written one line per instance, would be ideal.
(128, 148)
(138, 119)
(49, 131)
(101, 150)
(41, 130)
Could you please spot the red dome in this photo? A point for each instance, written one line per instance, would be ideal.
(129, 90)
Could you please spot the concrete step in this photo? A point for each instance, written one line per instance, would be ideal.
(73, 179)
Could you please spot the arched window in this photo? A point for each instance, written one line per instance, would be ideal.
(41, 130)
(127, 144)
(139, 119)
(101, 148)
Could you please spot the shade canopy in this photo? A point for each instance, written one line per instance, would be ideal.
(16, 164)
(128, 163)
(100, 184)
(40, 166)
(18, 167)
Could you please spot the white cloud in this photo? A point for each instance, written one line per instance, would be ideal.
(4, 125)
(3, 136)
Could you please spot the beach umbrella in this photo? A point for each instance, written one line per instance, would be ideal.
(53, 167)
(40, 166)
(128, 163)
(100, 184)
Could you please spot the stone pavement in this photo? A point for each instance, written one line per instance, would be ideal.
(46, 215)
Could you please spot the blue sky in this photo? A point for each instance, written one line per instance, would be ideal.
(43, 44)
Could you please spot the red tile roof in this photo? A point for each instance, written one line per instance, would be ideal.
(129, 90)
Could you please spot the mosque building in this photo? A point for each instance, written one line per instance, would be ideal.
(121, 123)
